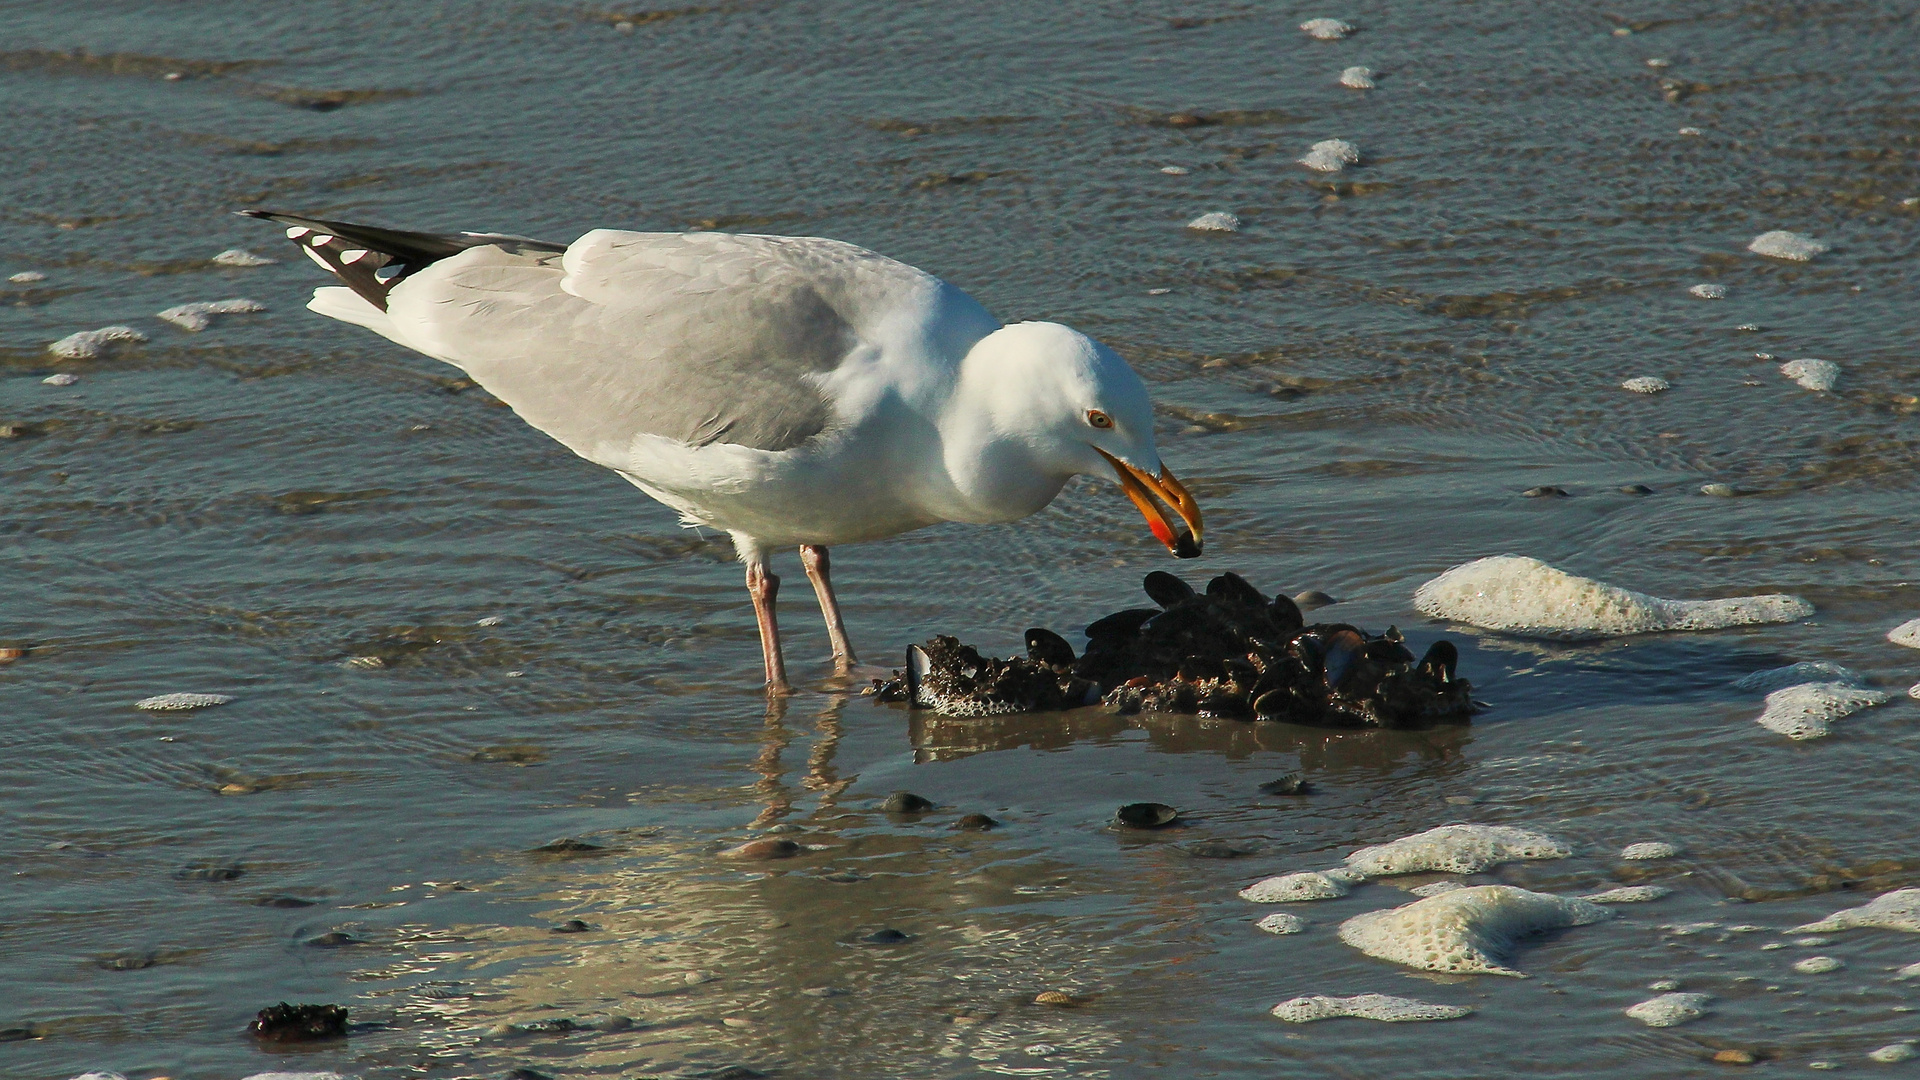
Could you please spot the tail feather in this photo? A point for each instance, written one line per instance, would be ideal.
(357, 253)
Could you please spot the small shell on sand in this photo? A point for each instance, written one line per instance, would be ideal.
(1467, 931)
(1456, 849)
(1059, 999)
(1805, 711)
(1894, 1053)
(1817, 965)
(1668, 1010)
(88, 344)
(762, 850)
(1897, 910)
(1907, 633)
(1357, 78)
(1175, 170)
(1331, 155)
(1720, 491)
(60, 378)
(1812, 374)
(1383, 1007)
(1646, 384)
(1526, 596)
(1649, 849)
(27, 277)
(1281, 922)
(1709, 292)
(180, 702)
(1216, 221)
(9, 655)
(241, 257)
(1326, 29)
(1793, 246)
(199, 316)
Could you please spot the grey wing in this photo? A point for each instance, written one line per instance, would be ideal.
(700, 337)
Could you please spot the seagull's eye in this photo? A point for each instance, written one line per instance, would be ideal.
(1099, 419)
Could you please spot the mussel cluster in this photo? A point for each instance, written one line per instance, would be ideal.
(1229, 652)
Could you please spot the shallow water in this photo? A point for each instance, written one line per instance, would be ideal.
(1358, 385)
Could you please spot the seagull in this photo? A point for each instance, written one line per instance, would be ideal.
(789, 390)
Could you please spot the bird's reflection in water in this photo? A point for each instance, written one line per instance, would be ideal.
(946, 738)
(822, 778)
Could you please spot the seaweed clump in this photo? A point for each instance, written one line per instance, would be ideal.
(286, 1023)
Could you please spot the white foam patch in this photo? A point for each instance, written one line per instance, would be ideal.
(1175, 170)
(27, 277)
(1216, 221)
(1526, 596)
(1817, 965)
(1456, 849)
(1806, 671)
(1357, 78)
(1305, 885)
(1467, 931)
(1281, 922)
(61, 378)
(1894, 1053)
(1781, 244)
(180, 702)
(279, 1075)
(1808, 710)
(88, 344)
(199, 316)
(1812, 374)
(1911, 971)
(1629, 894)
(1897, 910)
(1709, 292)
(1331, 155)
(1649, 849)
(1383, 1007)
(241, 257)
(1646, 384)
(1435, 888)
(100, 1074)
(1914, 691)
(1669, 1010)
(1907, 633)
(1326, 29)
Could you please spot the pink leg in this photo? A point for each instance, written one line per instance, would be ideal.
(763, 586)
(819, 567)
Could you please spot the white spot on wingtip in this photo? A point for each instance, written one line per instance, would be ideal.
(315, 256)
(353, 256)
(320, 238)
(297, 231)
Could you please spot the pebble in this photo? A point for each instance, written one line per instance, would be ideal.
(1216, 221)
(1646, 384)
(1663, 986)
(886, 935)
(1326, 29)
(1175, 170)
(8, 656)
(1792, 246)
(1635, 489)
(61, 378)
(1649, 849)
(241, 257)
(1313, 598)
(1059, 999)
(1281, 922)
(88, 344)
(1146, 815)
(1812, 374)
(1817, 965)
(976, 822)
(180, 702)
(199, 316)
(763, 850)
(1290, 784)
(1747, 327)
(27, 277)
(1735, 1057)
(1897, 1052)
(906, 802)
(1709, 292)
(332, 939)
(1907, 633)
(1688, 131)
(571, 926)
(1331, 155)
(1357, 78)
(1545, 491)
(1669, 1010)
(1718, 491)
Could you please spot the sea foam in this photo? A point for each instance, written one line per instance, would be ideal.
(1305, 885)
(1806, 711)
(1708, 292)
(199, 316)
(88, 344)
(1393, 1010)
(1667, 1010)
(1357, 78)
(180, 702)
(1646, 384)
(1526, 596)
(1331, 155)
(1812, 374)
(1897, 910)
(1281, 922)
(241, 257)
(1216, 221)
(1907, 633)
(1326, 29)
(1467, 931)
(1793, 246)
(1629, 894)
(1649, 849)
(1456, 849)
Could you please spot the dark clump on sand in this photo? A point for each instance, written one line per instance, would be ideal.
(1229, 652)
(286, 1023)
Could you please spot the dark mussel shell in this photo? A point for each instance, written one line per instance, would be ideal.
(1046, 647)
(906, 802)
(1166, 590)
(1146, 815)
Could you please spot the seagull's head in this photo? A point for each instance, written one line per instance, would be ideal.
(1076, 408)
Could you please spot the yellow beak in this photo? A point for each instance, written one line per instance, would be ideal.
(1144, 489)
